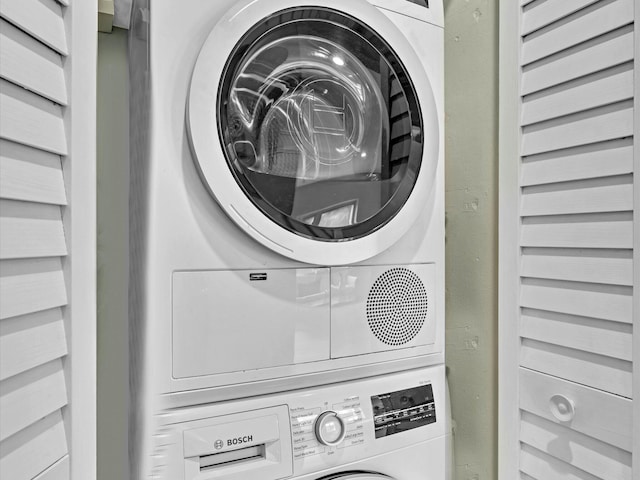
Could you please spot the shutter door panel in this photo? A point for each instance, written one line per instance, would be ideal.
(28, 286)
(601, 88)
(30, 174)
(591, 22)
(604, 373)
(614, 267)
(586, 161)
(580, 333)
(598, 54)
(57, 471)
(597, 125)
(33, 450)
(31, 120)
(597, 458)
(605, 230)
(598, 414)
(568, 230)
(540, 465)
(541, 13)
(30, 396)
(43, 68)
(609, 302)
(609, 194)
(30, 230)
(41, 19)
(31, 340)
(30, 64)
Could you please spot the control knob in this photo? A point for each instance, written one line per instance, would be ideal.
(330, 429)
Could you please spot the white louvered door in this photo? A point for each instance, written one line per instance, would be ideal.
(568, 253)
(47, 239)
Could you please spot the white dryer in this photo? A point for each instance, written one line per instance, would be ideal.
(287, 196)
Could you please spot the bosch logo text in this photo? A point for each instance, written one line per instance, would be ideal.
(239, 440)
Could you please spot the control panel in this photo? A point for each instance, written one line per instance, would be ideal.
(341, 424)
(306, 431)
(318, 429)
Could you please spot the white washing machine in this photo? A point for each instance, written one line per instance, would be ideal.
(394, 427)
(287, 196)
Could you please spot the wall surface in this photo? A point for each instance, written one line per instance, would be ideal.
(113, 244)
(471, 103)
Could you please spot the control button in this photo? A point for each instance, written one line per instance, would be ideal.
(330, 429)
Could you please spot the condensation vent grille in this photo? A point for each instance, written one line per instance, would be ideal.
(397, 306)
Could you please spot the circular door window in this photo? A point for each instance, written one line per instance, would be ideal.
(315, 128)
(320, 124)
(357, 476)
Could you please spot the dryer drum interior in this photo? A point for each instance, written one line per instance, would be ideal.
(320, 124)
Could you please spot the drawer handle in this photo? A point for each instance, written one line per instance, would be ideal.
(562, 408)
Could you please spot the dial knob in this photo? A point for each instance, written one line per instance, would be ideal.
(330, 429)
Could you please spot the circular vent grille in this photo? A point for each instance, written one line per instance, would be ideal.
(397, 306)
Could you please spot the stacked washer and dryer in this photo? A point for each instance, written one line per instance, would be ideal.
(287, 287)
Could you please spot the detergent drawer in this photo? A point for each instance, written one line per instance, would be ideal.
(237, 320)
(253, 445)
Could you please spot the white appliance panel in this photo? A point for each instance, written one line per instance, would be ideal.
(234, 320)
(381, 308)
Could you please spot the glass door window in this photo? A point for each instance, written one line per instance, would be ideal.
(320, 124)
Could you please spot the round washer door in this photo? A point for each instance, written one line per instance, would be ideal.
(357, 476)
(314, 127)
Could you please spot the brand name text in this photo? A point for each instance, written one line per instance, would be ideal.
(239, 440)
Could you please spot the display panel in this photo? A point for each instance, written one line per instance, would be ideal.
(403, 410)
